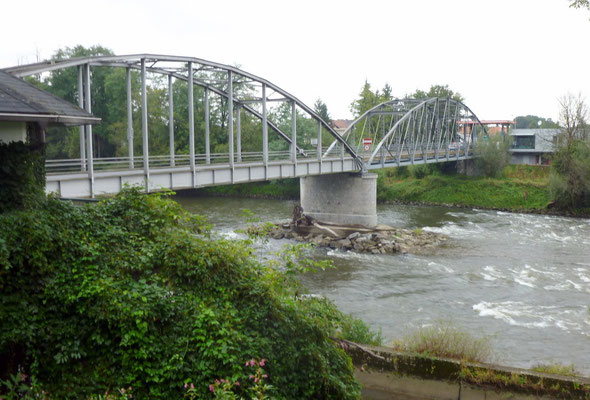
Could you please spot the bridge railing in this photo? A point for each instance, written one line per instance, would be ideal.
(77, 165)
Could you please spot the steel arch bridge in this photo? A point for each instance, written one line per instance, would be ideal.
(412, 131)
(402, 132)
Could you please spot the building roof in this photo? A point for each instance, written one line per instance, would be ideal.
(490, 122)
(22, 101)
(341, 123)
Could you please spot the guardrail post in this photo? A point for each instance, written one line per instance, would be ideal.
(191, 122)
(171, 119)
(144, 126)
(130, 120)
(81, 105)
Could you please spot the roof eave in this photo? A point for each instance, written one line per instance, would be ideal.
(50, 119)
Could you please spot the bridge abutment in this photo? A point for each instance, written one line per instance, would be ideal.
(467, 167)
(346, 198)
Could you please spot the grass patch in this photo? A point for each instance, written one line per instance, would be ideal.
(520, 189)
(556, 368)
(444, 339)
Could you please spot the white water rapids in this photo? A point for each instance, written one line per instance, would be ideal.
(522, 279)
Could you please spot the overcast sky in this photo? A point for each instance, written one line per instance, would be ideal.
(506, 57)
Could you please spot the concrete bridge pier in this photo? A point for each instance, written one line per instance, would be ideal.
(345, 198)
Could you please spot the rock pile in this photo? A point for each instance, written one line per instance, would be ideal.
(380, 240)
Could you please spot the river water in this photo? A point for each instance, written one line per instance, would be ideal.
(522, 279)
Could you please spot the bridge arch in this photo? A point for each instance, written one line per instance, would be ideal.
(205, 74)
(408, 131)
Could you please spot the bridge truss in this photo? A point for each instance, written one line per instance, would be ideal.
(400, 132)
(410, 131)
(238, 91)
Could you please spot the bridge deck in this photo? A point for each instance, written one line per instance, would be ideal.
(78, 184)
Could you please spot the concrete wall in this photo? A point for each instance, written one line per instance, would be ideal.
(348, 198)
(523, 158)
(13, 131)
(467, 167)
(388, 374)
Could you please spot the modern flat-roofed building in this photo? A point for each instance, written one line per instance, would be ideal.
(532, 146)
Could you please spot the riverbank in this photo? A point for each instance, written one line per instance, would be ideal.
(522, 188)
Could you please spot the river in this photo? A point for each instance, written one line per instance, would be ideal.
(521, 279)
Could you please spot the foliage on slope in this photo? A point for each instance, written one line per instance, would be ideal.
(136, 292)
(519, 189)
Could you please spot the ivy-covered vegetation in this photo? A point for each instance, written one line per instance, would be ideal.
(22, 176)
(135, 292)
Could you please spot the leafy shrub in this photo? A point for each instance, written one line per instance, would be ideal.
(135, 292)
(492, 154)
(357, 331)
(22, 176)
(420, 171)
(569, 180)
(401, 172)
(443, 339)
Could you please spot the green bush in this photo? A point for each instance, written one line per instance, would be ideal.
(135, 292)
(492, 154)
(357, 331)
(22, 176)
(444, 339)
(569, 180)
(420, 171)
(401, 172)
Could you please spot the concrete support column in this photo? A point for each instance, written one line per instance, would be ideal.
(346, 198)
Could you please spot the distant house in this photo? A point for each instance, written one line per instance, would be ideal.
(532, 146)
(341, 125)
(26, 111)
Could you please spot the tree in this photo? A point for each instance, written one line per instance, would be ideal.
(532, 122)
(368, 99)
(322, 110)
(569, 182)
(437, 91)
(492, 154)
(580, 4)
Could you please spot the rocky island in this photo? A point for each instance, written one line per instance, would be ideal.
(382, 239)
